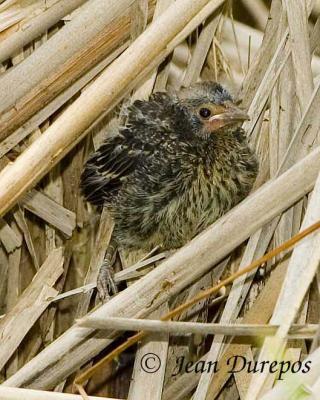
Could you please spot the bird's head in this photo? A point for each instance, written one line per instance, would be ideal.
(211, 108)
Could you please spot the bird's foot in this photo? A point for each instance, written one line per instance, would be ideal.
(105, 283)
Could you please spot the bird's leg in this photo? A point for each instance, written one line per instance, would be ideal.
(105, 282)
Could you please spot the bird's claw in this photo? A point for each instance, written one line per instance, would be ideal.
(105, 283)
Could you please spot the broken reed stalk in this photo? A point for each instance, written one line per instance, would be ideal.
(201, 328)
(30, 305)
(102, 95)
(203, 295)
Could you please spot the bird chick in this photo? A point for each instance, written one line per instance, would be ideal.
(179, 163)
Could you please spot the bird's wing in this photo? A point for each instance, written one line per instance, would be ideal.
(144, 133)
(106, 169)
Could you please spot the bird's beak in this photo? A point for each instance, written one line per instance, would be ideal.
(230, 115)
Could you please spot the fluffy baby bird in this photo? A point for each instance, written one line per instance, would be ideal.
(179, 163)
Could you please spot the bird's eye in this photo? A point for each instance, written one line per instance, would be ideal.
(204, 112)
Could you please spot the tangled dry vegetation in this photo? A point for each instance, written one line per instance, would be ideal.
(67, 67)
